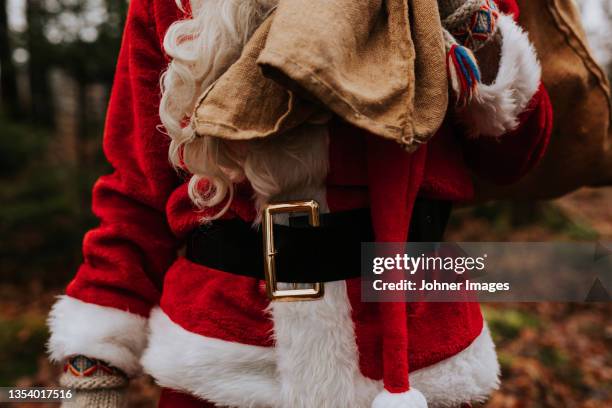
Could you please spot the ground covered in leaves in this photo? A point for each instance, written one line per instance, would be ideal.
(552, 355)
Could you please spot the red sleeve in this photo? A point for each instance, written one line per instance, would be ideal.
(126, 256)
(506, 159)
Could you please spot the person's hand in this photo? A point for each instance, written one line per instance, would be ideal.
(94, 383)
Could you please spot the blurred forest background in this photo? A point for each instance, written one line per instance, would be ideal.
(57, 59)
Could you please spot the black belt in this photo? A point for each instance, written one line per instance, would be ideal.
(305, 254)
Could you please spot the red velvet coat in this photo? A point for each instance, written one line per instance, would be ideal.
(215, 335)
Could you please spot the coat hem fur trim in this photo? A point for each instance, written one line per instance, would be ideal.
(240, 375)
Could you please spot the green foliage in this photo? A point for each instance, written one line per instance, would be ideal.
(21, 339)
(504, 217)
(87, 58)
(46, 201)
(18, 144)
(507, 324)
(556, 221)
(506, 360)
(42, 220)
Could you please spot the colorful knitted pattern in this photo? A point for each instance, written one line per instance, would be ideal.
(82, 366)
(468, 26)
(474, 24)
(95, 383)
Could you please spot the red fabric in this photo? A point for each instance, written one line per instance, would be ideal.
(217, 304)
(506, 160)
(509, 7)
(394, 178)
(145, 213)
(127, 256)
(174, 399)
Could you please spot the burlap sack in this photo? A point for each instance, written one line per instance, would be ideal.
(378, 65)
(242, 104)
(580, 152)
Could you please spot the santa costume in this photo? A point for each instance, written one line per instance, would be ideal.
(153, 296)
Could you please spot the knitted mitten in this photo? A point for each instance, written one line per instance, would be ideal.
(468, 26)
(94, 384)
(472, 23)
(489, 105)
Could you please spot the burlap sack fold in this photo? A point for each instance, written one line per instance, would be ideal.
(378, 65)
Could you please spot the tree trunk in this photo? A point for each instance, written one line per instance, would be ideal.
(118, 8)
(41, 105)
(9, 97)
(123, 9)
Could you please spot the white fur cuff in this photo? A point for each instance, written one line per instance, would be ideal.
(495, 108)
(409, 399)
(100, 332)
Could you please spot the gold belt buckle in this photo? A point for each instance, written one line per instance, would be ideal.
(310, 207)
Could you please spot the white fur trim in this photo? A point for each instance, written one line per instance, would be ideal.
(495, 108)
(316, 350)
(239, 375)
(315, 341)
(409, 399)
(101, 332)
(222, 372)
(469, 376)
